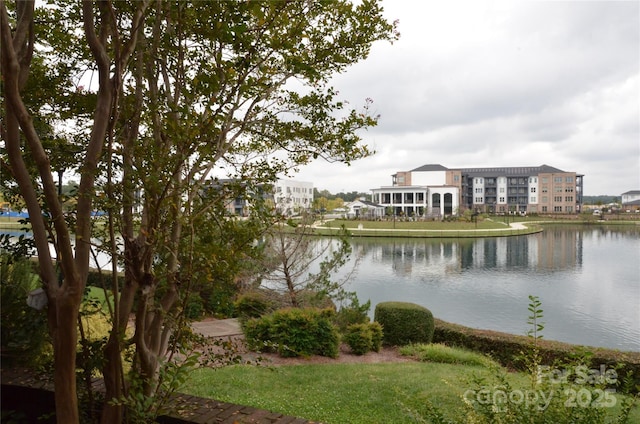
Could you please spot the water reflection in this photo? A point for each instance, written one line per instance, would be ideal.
(586, 277)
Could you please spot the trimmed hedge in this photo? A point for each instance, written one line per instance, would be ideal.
(404, 323)
(294, 332)
(507, 349)
(102, 279)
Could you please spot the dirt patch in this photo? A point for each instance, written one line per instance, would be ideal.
(386, 354)
(224, 345)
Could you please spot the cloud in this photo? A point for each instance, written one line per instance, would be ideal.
(492, 83)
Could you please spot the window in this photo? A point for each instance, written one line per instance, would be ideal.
(478, 200)
(545, 189)
(533, 189)
(557, 179)
(456, 178)
(568, 199)
(533, 199)
(557, 208)
(545, 199)
(419, 197)
(502, 200)
(557, 199)
(568, 189)
(568, 209)
(569, 179)
(544, 209)
(478, 189)
(557, 189)
(501, 189)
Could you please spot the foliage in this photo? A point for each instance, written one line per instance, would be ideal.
(180, 91)
(24, 338)
(354, 313)
(290, 255)
(404, 323)
(252, 304)
(194, 307)
(563, 392)
(294, 332)
(506, 349)
(438, 352)
(172, 375)
(363, 338)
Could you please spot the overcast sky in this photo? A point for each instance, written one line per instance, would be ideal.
(493, 84)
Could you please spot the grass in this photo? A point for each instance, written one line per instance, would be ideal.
(418, 225)
(351, 393)
(437, 352)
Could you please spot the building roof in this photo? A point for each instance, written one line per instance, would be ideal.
(514, 170)
(366, 203)
(632, 192)
(431, 167)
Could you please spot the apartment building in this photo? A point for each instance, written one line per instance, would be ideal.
(434, 190)
(291, 197)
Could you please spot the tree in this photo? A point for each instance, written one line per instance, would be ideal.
(290, 258)
(183, 91)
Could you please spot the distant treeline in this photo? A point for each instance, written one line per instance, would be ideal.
(601, 200)
(347, 197)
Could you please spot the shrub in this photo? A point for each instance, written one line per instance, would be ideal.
(404, 323)
(294, 332)
(102, 279)
(257, 332)
(194, 306)
(506, 349)
(549, 398)
(363, 338)
(252, 304)
(24, 337)
(352, 314)
(376, 336)
(358, 337)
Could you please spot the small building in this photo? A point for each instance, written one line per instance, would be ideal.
(631, 200)
(364, 209)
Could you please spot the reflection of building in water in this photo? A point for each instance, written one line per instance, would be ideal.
(559, 249)
(426, 257)
(553, 249)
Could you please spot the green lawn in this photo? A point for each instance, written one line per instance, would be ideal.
(349, 393)
(418, 225)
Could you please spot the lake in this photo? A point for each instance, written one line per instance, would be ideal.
(587, 278)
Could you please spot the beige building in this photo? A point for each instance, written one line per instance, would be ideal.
(434, 190)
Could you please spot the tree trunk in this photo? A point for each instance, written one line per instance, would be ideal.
(65, 339)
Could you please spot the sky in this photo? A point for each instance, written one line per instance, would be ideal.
(498, 84)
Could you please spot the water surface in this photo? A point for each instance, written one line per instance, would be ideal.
(587, 278)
